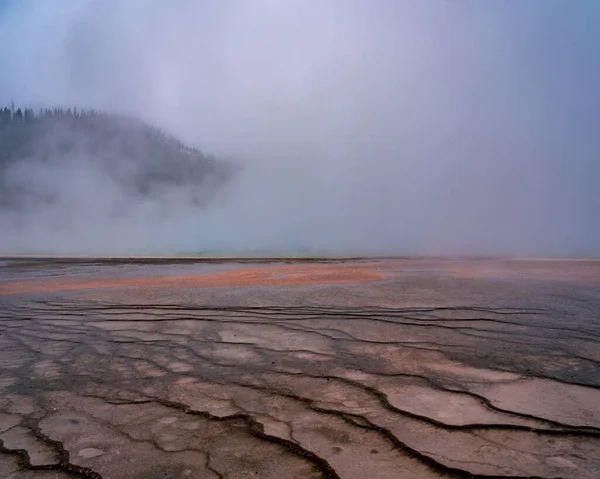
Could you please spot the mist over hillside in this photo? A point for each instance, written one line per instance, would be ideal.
(68, 170)
(141, 160)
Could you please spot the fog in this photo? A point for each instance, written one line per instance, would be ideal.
(390, 127)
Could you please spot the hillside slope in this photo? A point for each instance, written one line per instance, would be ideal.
(39, 154)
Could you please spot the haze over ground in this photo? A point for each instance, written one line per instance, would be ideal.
(389, 127)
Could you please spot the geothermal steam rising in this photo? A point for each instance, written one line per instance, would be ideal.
(393, 127)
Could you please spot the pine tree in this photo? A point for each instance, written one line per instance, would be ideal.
(6, 115)
(28, 115)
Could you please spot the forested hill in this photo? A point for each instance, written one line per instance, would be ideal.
(139, 159)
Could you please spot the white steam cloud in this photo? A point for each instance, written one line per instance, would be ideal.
(388, 127)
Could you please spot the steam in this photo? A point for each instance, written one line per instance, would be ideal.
(361, 127)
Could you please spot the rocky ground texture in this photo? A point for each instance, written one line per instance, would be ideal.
(391, 368)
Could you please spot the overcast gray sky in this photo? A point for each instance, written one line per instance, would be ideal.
(387, 126)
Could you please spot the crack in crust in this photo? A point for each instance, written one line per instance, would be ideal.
(405, 392)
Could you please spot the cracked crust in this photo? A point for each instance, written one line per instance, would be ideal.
(455, 369)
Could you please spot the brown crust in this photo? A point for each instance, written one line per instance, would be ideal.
(287, 275)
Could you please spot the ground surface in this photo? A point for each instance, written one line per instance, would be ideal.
(358, 369)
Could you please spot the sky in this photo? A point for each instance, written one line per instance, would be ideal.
(451, 127)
